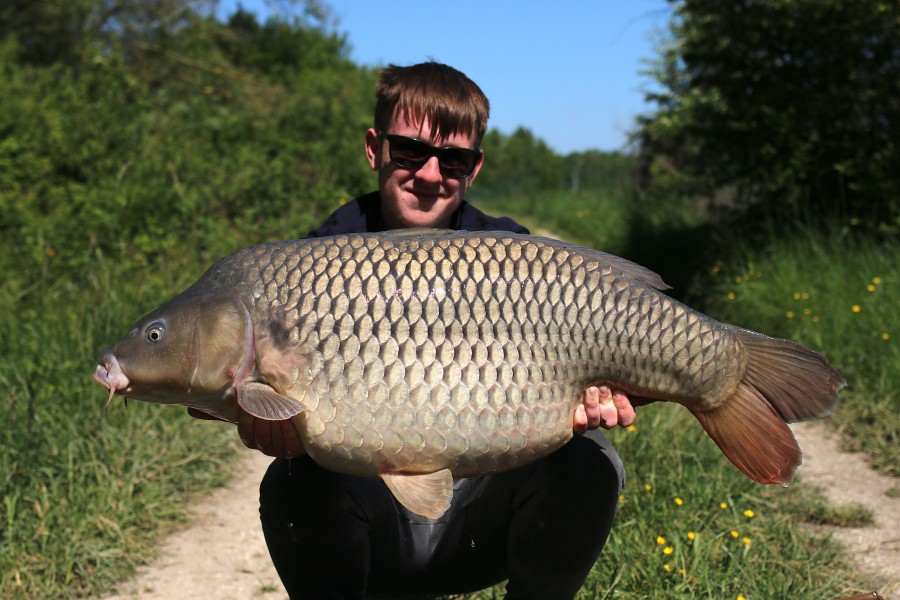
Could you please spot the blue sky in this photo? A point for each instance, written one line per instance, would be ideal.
(568, 71)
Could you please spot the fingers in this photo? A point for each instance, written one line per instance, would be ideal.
(272, 438)
(608, 414)
(615, 408)
(293, 447)
(624, 409)
(247, 430)
(588, 414)
(580, 421)
(602, 407)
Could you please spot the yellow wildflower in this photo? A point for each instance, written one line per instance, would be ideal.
(855, 308)
(660, 540)
(668, 550)
(805, 295)
(746, 541)
(796, 295)
(648, 487)
(691, 535)
(749, 513)
(667, 568)
(790, 314)
(734, 533)
(632, 428)
(679, 501)
(885, 336)
(621, 498)
(723, 505)
(731, 295)
(876, 280)
(870, 287)
(741, 597)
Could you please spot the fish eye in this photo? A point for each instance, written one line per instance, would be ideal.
(155, 332)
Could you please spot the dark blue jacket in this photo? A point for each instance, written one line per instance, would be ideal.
(363, 215)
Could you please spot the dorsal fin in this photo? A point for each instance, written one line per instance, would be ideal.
(633, 270)
(628, 268)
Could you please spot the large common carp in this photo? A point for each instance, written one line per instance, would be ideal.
(418, 355)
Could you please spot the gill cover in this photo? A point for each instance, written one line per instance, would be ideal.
(197, 347)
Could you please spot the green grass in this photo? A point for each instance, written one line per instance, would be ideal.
(839, 295)
(85, 496)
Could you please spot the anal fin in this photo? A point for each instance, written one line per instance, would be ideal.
(428, 495)
(263, 402)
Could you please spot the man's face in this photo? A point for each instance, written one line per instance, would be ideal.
(420, 197)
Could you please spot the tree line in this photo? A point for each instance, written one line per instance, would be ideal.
(128, 125)
(788, 106)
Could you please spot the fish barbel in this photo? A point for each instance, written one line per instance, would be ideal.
(419, 355)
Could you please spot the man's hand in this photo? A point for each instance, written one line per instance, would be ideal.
(273, 438)
(602, 407)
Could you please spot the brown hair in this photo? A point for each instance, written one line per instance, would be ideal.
(446, 97)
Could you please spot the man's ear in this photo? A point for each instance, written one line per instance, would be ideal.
(373, 149)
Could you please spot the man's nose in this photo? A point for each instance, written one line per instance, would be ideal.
(431, 170)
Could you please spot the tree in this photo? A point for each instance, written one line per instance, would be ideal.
(153, 145)
(790, 103)
(518, 163)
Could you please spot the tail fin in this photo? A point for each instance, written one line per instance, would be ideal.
(799, 383)
(783, 382)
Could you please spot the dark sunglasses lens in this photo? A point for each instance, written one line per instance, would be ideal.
(458, 162)
(409, 153)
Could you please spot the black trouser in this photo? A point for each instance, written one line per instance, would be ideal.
(541, 526)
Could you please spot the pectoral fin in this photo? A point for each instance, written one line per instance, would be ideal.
(427, 495)
(261, 401)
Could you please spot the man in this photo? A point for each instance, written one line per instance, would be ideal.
(541, 526)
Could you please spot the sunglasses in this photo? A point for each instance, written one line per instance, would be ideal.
(410, 153)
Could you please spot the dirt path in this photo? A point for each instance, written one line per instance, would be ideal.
(847, 479)
(223, 555)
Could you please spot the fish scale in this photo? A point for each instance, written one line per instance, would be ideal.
(417, 355)
(415, 283)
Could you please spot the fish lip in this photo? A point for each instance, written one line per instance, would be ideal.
(101, 375)
(109, 374)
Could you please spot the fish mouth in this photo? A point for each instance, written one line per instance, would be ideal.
(109, 374)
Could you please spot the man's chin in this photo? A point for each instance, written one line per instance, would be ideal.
(426, 209)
